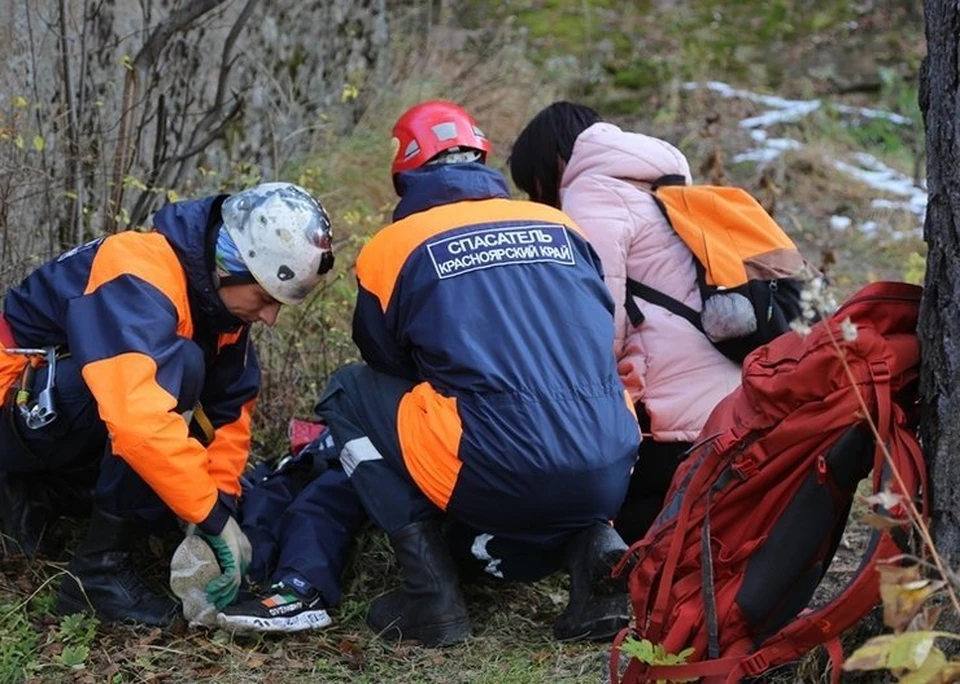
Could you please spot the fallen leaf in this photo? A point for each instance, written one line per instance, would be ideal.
(904, 593)
(926, 618)
(882, 522)
(907, 651)
(51, 650)
(929, 671)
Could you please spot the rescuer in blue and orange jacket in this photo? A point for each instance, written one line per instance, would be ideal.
(489, 399)
(148, 335)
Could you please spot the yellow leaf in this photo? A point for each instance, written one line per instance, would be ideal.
(910, 650)
(18, 141)
(133, 182)
(349, 92)
(172, 196)
(20, 102)
(883, 522)
(38, 143)
(907, 651)
(935, 670)
(904, 593)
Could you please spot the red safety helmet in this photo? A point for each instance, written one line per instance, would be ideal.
(429, 128)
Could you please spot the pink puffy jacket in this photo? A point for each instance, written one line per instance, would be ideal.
(665, 362)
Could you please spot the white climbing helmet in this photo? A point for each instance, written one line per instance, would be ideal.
(283, 236)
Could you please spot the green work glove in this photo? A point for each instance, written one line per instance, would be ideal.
(232, 549)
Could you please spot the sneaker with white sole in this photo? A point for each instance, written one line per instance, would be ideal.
(281, 609)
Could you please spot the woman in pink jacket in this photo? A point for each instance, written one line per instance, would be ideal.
(601, 177)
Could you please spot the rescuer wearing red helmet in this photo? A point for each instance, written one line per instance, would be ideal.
(489, 401)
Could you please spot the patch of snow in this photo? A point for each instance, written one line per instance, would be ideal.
(840, 222)
(794, 112)
(762, 155)
(869, 113)
(869, 227)
(878, 175)
(772, 148)
(865, 168)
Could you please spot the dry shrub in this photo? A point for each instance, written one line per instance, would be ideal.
(483, 70)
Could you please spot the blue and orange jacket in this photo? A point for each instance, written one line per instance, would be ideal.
(135, 310)
(498, 310)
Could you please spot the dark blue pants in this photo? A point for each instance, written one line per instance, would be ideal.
(75, 446)
(360, 406)
(300, 522)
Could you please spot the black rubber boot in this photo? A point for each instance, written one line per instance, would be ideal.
(599, 606)
(29, 505)
(111, 588)
(428, 607)
(24, 514)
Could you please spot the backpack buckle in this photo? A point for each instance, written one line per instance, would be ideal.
(755, 665)
(745, 468)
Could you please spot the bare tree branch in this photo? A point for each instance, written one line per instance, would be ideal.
(74, 182)
(36, 95)
(145, 201)
(209, 128)
(146, 58)
(81, 102)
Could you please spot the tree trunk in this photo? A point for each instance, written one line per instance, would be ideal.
(940, 312)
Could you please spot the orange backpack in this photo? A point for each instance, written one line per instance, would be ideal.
(749, 271)
(755, 514)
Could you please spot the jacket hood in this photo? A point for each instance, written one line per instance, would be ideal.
(191, 228)
(604, 149)
(439, 184)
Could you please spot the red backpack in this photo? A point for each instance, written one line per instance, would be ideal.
(755, 515)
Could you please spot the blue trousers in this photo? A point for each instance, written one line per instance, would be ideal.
(75, 446)
(300, 521)
(360, 405)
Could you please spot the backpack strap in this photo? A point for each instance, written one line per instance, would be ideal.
(637, 289)
(647, 293)
(668, 179)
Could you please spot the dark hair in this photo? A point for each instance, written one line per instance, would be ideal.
(548, 138)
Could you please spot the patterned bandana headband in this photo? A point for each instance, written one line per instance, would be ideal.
(228, 257)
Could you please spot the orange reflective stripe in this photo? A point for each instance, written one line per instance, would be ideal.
(148, 434)
(226, 339)
(429, 429)
(698, 211)
(11, 365)
(147, 256)
(11, 368)
(381, 260)
(229, 451)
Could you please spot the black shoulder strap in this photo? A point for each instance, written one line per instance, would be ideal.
(646, 293)
(670, 179)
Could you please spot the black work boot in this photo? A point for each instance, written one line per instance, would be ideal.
(428, 607)
(111, 588)
(24, 515)
(599, 606)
